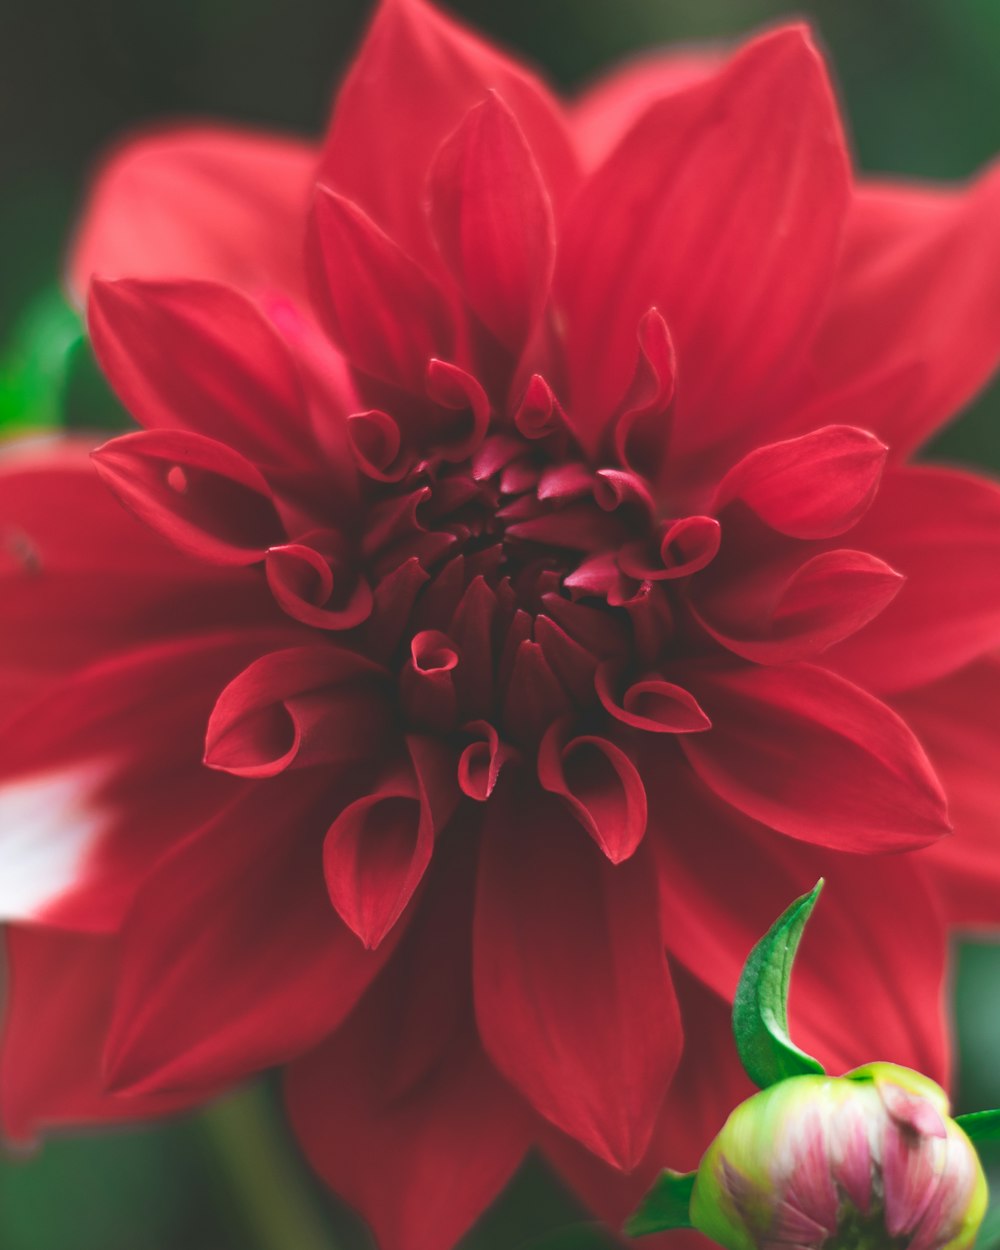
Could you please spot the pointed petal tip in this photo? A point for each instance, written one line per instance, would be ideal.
(795, 36)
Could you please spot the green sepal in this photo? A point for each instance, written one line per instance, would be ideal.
(667, 1205)
(980, 1126)
(760, 1008)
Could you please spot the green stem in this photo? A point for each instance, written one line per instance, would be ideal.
(251, 1145)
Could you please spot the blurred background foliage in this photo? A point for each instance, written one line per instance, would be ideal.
(919, 83)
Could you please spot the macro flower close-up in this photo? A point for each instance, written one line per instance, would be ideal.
(521, 578)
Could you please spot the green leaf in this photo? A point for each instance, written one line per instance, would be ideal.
(666, 1205)
(760, 1008)
(980, 1126)
(35, 364)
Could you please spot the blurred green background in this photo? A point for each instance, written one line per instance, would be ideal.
(920, 86)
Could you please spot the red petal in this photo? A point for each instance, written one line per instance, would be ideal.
(415, 53)
(651, 704)
(203, 202)
(427, 681)
(596, 630)
(609, 108)
(331, 395)
(941, 529)
(199, 357)
(375, 440)
(773, 618)
(956, 719)
(573, 995)
(539, 415)
(303, 705)
(394, 599)
(407, 1082)
(814, 486)
(378, 848)
(574, 665)
(444, 1152)
(724, 878)
(497, 451)
(426, 993)
(642, 428)
(688, 545)
(681, 217)
(911, 252)
(380, 306)
(480, 763)
(566, 481)
(815, 757)
(80, 580)
(315, 584)
(60, 990)
(619, 488)
(859, 402)
(101, 775)
(580, 527)
(599, 784)
(492, 220)
(203, 496)
(241, 971)
(708, 1085)
(472, 629)
(533, 696)
(466, 410)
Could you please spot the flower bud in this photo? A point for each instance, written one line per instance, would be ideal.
(868, 1161)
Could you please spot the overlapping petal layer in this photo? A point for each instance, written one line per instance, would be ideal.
(500, 614)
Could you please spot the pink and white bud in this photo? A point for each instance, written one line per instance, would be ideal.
(868, 1161)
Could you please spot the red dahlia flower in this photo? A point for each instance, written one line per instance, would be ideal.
(521, 592)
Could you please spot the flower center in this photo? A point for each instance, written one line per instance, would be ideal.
(519, 595)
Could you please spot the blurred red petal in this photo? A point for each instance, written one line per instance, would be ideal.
(206, 202)
(910, 253)
(82, 761)
(609, 107)
(956, 718)
(941, 529)
(61, 986)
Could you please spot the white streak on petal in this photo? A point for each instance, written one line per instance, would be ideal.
(48, 825)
